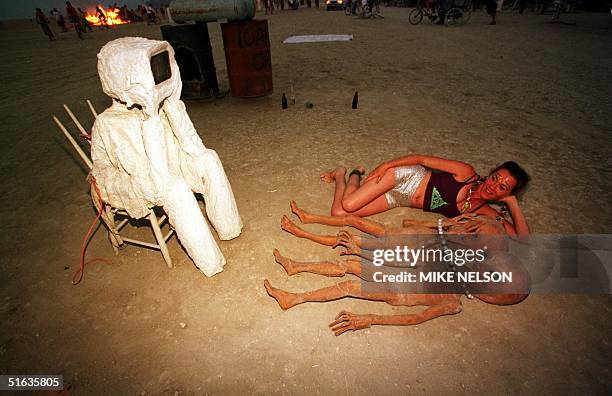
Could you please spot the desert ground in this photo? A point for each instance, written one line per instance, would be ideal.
(523, 90)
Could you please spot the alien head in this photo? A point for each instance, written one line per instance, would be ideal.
(139, 71)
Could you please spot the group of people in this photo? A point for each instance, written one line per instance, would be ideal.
(493, 7)
(270, 5)
(78, 18)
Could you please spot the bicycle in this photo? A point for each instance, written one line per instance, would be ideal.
(363, 9)
(430, 10)
(372, 9)
(353, 8)
(561, 6)
(459, 14)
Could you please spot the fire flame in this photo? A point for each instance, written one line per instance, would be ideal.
(112, 17)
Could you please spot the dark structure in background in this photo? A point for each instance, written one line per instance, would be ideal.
(247, 54)
(246, 43)
(193, 53)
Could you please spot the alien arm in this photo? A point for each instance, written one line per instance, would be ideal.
(346, 321)
(182, 128)
(413, 319)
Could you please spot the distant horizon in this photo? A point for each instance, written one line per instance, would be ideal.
(25, 9)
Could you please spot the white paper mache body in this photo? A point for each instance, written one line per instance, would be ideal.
(146, 155)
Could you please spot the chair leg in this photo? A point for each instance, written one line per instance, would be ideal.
(108, 219)
(160, 238)
(113, 235)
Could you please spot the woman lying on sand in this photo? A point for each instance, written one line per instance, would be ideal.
(451, 189)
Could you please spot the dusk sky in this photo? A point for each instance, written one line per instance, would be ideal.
(23, 9)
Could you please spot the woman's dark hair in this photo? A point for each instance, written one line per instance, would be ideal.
(519, 174)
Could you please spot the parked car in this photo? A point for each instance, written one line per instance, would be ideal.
(334, 4)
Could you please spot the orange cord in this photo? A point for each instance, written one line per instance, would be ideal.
(78, 275)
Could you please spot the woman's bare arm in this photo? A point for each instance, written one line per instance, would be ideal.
(459, 169)
(518, 227)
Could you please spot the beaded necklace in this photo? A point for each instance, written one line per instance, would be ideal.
(467, 205)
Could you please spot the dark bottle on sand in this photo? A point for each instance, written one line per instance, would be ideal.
(355, 100)
(284, 101)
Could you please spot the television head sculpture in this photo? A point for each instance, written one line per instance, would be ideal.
(147, 153)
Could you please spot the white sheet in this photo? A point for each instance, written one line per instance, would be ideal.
(318, 38)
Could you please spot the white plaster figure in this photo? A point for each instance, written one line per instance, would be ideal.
(147, 153)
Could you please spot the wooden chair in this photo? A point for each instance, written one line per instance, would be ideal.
(115, 219)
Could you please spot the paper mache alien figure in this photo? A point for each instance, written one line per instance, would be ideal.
(147, 153)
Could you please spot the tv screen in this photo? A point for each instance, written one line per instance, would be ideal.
(160, 65)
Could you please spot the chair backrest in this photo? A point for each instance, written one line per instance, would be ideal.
(84, 157)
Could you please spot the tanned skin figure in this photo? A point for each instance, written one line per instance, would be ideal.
(438, 304)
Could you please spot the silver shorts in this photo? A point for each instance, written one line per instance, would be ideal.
(407, 180)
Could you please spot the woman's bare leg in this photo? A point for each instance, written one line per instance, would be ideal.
(328, 240)
(354, 180)
(368, 226)
(378, 205)
(326, 268)
(337, 176)
(370, 195)
(368, 202)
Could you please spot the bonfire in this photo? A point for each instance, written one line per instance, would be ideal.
(112, 17)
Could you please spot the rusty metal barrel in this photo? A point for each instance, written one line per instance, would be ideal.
(183, 11)
(247, 55)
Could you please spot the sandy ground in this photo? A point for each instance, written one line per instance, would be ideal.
(524, 90)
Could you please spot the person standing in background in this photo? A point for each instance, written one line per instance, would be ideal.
(60, 19)
(75, 19)
(444, 5)
(86, 24)
(493, 8)
(102, 18)
(269, 4)
(43, 21)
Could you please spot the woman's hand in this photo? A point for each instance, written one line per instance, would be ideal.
(378, 172)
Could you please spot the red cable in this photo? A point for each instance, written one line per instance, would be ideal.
(79, 273)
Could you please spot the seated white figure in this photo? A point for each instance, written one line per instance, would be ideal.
(147, 153)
